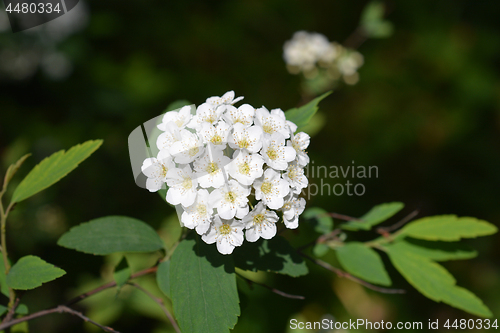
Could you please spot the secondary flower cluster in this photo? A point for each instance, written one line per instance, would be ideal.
(307, 52)
(222, 160)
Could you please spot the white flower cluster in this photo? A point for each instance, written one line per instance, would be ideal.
(306, 51)
(219, 161)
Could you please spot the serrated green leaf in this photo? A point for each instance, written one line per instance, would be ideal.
(301, 116)
(320, 249)
(319, 218)
(376, 215)
(363, 262)
(13, 168)
(448, 228)
(30, 272)
(437, 251)
(53, 168)
(273, 255)
(122, 272)
(203, 288)
(435, 282)
(163, 277)
(112, 234)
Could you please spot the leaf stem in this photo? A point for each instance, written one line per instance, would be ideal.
(341, 273)
(274, 290)
(3, 243)
(160, 302)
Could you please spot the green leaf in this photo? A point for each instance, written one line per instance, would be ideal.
(376, 215)
(203, 288)
(22, 309)
(112, 234)
(320, 249)
(448, 228)
(301, 116)
(437, 251)
(13, 168)
(273, 255)
(163, 277)
(122, 272)
(30, 272)
(373, 23)
(363, 262)
(435, 282)
(53, 168)
(319, 218)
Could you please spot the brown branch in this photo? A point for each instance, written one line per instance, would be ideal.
(160, 302)
(274, 290)
(386, 230)
(58, 309)
(109, 285)
(341, 273)
(356, 38)
(342, 217)
(11, 312)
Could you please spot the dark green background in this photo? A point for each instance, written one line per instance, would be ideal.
(426, 112)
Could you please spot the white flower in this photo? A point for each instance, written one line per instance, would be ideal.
(182, 186)
(245, 167)
(166, 139)
(272, 122)
(180, 118)
(226, 233)
(210, 168)
(156, 170)
(295, 176)
(187, 149)
(199, 215)
(226, 99)
(300, 142)
(260, 222)
(244, 114)
(292, 208)
(205, 113)
(216, 135)
(249, 138)
(231, 200)
(271, 189)
(276, 154)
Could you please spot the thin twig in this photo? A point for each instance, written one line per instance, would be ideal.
(160, 302)
(386, 230)
(322, 239)
(58, 309)
(11, 312)
(342, 217)
(274, 290)
(341, 273)
(109, 285)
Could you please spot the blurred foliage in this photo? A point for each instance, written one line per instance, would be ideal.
(426, 112)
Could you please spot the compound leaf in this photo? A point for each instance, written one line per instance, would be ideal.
(53, 168)
(435, 282)
(448, 228)
(203, 288)
(30, 272)
(112, 234)
(376, 215)
(437, 251)
(363, 262)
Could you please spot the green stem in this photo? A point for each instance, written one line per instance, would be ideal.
(3, 241)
